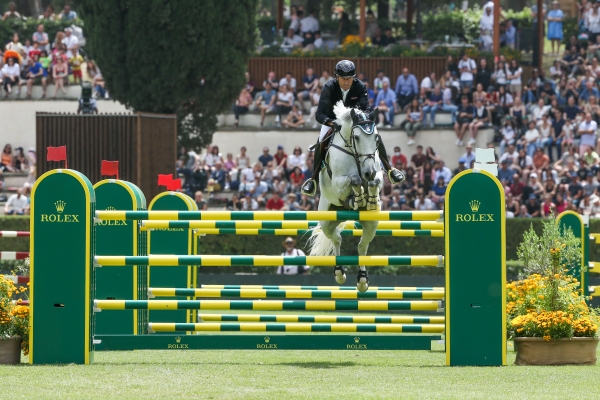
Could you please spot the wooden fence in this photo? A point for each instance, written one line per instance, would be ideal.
(144, 144)
(259, 67)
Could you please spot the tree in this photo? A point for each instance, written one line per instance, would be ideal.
(186, 57)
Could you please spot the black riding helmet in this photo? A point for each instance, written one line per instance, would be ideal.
(345, 68)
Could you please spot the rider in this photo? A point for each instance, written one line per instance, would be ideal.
(354, 94)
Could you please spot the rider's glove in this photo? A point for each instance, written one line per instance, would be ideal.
(336, 127)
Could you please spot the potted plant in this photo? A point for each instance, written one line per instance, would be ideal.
(14, 323)
(548, 317)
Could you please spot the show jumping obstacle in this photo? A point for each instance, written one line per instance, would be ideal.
(13, 255)
(114, 263)
(580, 226)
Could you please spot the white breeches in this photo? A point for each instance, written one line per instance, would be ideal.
(324, 130)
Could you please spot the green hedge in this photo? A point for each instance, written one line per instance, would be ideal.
(26, 27)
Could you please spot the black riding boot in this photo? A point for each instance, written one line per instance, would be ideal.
(396, 176)
(309, 187)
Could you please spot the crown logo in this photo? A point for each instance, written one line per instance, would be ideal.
(111, 208)
(178, 339)
(267, 339)
(474, 205)
(60, 206)
(357, 340)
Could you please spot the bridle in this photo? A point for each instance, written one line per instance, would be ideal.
(368, 127)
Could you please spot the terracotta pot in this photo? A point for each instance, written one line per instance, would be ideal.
(537, 351)
(10, 350)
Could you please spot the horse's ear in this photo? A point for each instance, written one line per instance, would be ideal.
(373, 114)
(353, 115)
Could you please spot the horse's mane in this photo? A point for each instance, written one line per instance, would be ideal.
(342, 113)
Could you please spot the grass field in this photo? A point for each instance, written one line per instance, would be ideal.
(291, 375)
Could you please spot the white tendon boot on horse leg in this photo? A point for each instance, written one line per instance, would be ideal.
(369, 229)
(373, 200)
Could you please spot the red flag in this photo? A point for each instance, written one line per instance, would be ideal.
(175, 184)
(57, 154)
(165, 180)
(110, 168)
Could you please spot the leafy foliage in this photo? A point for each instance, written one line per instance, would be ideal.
(548, 303)
(14, 317)
(26, 27)
(186, 57)
(537, 251)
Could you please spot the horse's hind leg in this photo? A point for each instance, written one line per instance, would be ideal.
(369, 229)
(330, 230)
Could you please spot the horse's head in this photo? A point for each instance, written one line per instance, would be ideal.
(359, 131)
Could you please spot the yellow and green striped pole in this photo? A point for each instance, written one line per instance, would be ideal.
(299, 327)
(350, 319)
(273, 215)
(296, 232)
(268, 261)
(295, 294)
(416, 225)
(268, 305)
(291, 287)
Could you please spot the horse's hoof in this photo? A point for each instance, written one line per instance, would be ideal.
(340, 277)
(362, 286)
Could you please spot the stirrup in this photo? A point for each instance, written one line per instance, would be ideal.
(393, 180)
(309, 192)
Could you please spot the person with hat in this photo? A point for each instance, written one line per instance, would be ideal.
(291, 204)
(353, 93)
(291, 251)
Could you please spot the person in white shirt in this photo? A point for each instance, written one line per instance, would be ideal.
(70, 41)
(587, 131)
(514, 75)
(290, 81)
(508, 134)
(291, 251)
(428, 83)
(486, 28)
(297, 159)
(16, 204)
(424, 203)
(531, 139)
(10, 76)
(511, 155)
(539, 110)
(467, 68)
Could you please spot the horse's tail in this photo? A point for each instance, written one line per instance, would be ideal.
(319, 244)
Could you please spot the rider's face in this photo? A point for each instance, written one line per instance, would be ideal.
(345, 82)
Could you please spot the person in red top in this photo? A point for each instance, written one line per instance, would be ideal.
(297, 178)
(517, 186)
(275, 203)
(281, 160)
(399, 157)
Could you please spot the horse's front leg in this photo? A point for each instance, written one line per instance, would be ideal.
(330, 230)
(373, 190)
(369, 230)
(350, 190)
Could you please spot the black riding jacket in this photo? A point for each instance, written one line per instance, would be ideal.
(332, 93)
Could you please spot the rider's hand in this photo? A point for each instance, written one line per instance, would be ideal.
(336, 127)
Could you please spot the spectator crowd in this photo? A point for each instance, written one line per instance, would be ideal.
(40, 61)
